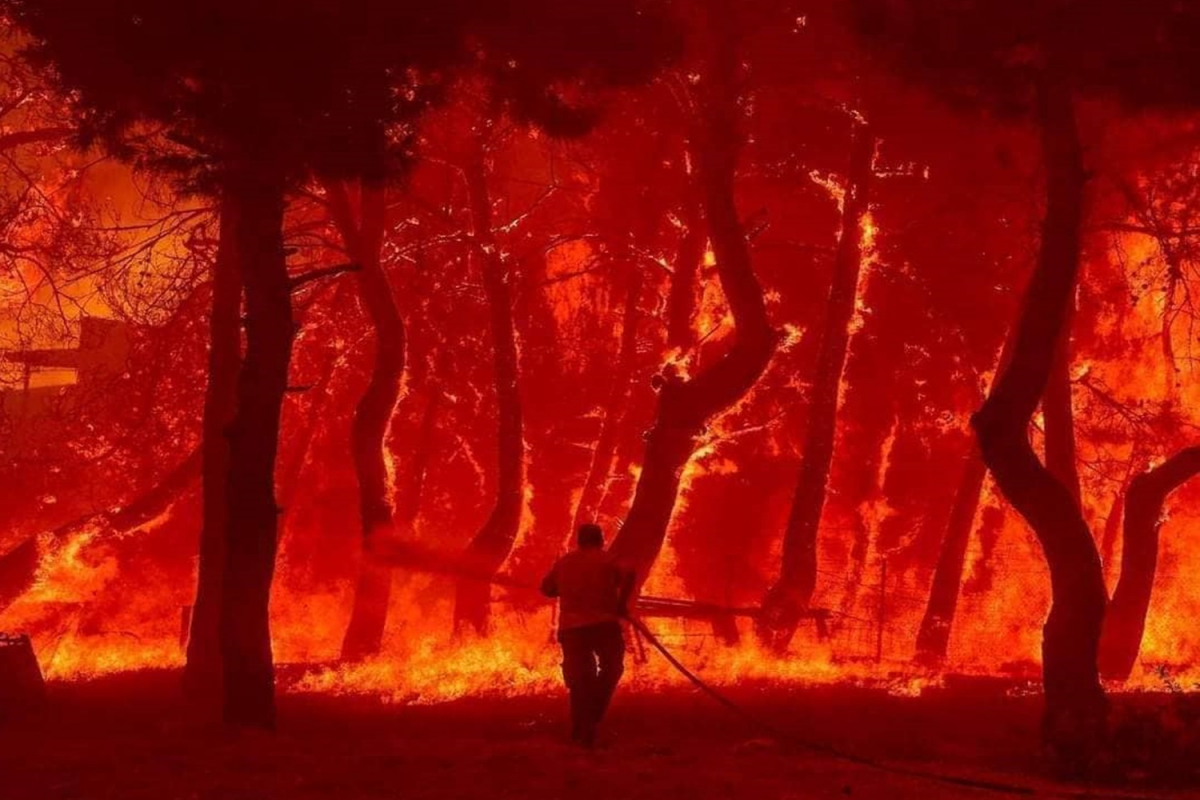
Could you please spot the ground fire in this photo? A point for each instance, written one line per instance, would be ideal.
(840, 355)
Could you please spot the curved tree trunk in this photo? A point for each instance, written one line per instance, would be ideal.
(252, 514)
(202, 673)
(793, 591)
(1126, 618)
(588, 507)
(933, 637)
(686, 406)
(373, 414)
(1075, 702)
(492, 544)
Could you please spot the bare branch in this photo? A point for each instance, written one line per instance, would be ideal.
(325, 272)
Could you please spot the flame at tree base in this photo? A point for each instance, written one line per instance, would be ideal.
(422, 663)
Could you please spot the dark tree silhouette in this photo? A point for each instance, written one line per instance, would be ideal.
(686, 406)
(492, 544)
(202, 673)
(1126, 618)
(362, 236)
(603, 454)
(1074, 699)
(1032, 59)
(237, 88)
(792, 592)
(933, 636)
(1059, 417)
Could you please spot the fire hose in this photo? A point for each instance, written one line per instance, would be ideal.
(995, 787)
(412, 556)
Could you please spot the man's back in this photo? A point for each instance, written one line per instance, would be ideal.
(589, 586)
(592, 590)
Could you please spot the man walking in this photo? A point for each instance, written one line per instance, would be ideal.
(592, 593)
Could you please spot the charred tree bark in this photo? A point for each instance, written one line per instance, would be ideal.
(1116, 514)
(686, 406)
(252, 514)
(606, 443)
(1059, 416)
(792, 592)
(492, 544)
(373, 414)
(933, 637)
(1112, 528)
(1126, 618)
(202, 673)
(1075, 702)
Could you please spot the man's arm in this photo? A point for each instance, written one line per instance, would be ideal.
(550, 582)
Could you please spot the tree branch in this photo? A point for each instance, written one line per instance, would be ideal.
(325, 272)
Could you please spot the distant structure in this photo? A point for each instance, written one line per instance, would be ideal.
(101, 355)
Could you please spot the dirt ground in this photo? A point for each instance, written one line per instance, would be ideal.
(130, 737)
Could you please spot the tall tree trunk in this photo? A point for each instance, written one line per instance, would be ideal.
(373, 414)
(18, 566)
(933, 637)
(492, 544)
(1116, 514)
(1075, 702)
(1126, 618)
(686, 406)
(252, 516)
(1112, 528)
(793, 591)
(551, 482)
(1059, 416)
(202, 674)
(588, 507)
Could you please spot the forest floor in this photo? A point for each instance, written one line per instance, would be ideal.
(130, 737)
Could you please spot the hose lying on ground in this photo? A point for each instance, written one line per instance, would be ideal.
(413, 556)
(786, 737)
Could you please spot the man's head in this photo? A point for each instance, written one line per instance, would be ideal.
(590, 537)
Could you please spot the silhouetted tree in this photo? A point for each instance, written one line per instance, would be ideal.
(362, 236)
(686, 406)
(494, 541)
(1126, 618)
(933, 636)
(238, 87)
(202, 672)
(792, 592)
(1032, 59)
